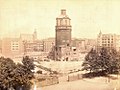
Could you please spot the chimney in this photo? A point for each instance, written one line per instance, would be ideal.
(63, 12)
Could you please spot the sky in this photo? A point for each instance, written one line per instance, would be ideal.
(88, 17)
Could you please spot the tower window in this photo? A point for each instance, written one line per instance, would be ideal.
(65, 22)
(56, 48)
(74, 49)
(61, 22)
(66, 58)
(67, 44)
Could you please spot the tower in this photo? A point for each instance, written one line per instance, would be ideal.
(99, 41)
(63, 33)
(35, 35)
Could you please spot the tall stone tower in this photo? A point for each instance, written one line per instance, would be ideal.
(63, 33)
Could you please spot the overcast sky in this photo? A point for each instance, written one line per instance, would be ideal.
(88, 17)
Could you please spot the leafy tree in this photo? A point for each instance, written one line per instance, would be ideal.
(109, 60)
(90, 61)
(16, 75)
(106, 60)
(115, 61)
(24, 73)
(22, 77)
(28, 63)
(6, 72)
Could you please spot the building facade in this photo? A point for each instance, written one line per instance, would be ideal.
(108, 41)
(11, 47)
(36, 46)
(83, 45)
(48, 44)
(118, 42)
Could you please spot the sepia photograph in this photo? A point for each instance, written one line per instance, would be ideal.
(59, 44)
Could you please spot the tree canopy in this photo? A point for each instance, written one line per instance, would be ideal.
(16, 75)
(107, 60)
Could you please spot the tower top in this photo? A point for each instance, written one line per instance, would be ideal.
(35, 30)
(63, 11)
(100, 32)
(63, 14)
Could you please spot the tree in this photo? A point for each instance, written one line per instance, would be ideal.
(24, 73)
(22, 77)
(28, 63)
(16, 75)
(105, 61)
(115, 61)
(109, 60)
(90, 61)
(6, 73)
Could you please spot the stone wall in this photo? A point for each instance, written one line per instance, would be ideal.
(48, 81)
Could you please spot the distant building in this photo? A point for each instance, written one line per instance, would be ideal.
(84, 45)
(118, 42)
(11, 47)
(108, 41)
(29, 42)
(48, 44)
(74, 54)
(29, 37)
(36, 46)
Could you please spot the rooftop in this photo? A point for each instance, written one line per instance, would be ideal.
(63, 14)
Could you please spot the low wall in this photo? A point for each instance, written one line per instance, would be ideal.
(48, 81)
(74, 77)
